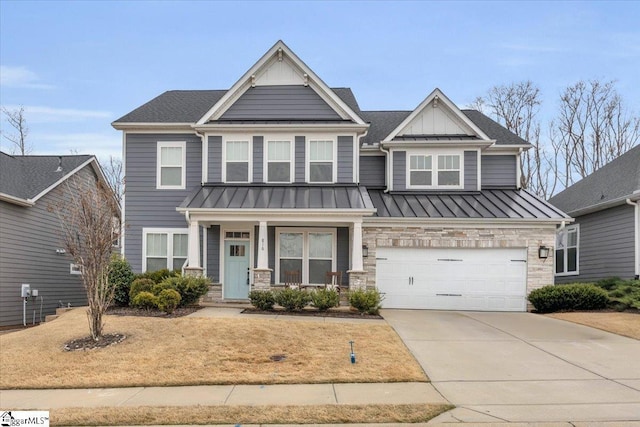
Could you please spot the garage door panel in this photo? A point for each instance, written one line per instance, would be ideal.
(453, 279)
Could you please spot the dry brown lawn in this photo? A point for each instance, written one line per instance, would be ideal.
(321, 414)
(200, 351)
(627, 324)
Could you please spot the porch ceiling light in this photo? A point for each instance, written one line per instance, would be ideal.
(543, 252)
(365, 251)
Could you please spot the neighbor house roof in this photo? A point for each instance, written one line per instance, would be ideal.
(492, 204)
(608, 186)
(26, 177)
(290, 196)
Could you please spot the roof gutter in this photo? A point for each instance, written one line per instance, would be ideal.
(636, 206)
(387, 168)
(16, 200)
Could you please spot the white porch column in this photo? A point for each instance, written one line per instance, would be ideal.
(193, 253)
(263, 246)
(356, 248)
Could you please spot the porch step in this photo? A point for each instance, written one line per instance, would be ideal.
(50, 317)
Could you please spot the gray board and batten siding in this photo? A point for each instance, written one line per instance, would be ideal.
(605, 246)
(29, 238)
(147, 206)
(499, 171)
(280, 102)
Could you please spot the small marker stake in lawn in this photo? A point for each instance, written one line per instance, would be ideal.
(353, 355)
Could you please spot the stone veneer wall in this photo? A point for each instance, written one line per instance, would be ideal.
(539, 271)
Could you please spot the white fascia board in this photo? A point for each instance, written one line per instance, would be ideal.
(146, 127)
(16, 200)
(245, 82)
(286, 216)
(329, 127)
(444, 144)
(436, 92)
(505, 149)
(463, 222)
(67, 176)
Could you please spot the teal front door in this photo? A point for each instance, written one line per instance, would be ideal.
(236, 269)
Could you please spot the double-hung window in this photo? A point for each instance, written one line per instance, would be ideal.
(433, 170)
(278, 161)
(165, 249)
(309, 251)
(171, 165)
(237, 161)
(567, 250)
(321, 161)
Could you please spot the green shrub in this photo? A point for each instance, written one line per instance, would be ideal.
(120, 277)
(159, 287)
(366, 301)
(168, 300)
(145, 300)
(324, 299)
(159, 275)
(189, 288)
(579, 296)
(140, 285)
(292, 299)
(608, 283)
(262, 300)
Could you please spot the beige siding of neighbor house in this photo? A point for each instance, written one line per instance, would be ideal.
(539, 271)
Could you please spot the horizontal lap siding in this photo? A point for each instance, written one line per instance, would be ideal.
(258, 153)
(213, 253)
(145, 205)
(300, 158)
(345, 159)
(214, 166)
(471, 170)
(372, 171)
(29, 237)
(399, 170)
(606, 245)
(499, 171)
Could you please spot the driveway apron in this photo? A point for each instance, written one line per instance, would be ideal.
(522, 367)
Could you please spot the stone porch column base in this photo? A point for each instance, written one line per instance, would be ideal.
(261, 279)
(357, 279)
(193, 271)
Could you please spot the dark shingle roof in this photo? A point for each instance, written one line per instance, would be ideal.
(494, 130)
(290, 196)
(188, 106)
(616, 180)
(27, 176)
(497, 204)
(382, 123)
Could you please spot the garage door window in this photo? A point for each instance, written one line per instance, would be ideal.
(567, 251)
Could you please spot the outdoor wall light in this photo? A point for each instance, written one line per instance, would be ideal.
(365, 251)
(543, 252)
(61, 251)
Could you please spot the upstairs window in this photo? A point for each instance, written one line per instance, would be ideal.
(434, 171)
(420, 170)
(321, 161)
(237, 161)
(171, 165)
(279, 161)
(567, 250)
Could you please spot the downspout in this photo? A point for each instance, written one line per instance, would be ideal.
(357, 165)
(636, 205)
(519, 169)
(387, 168)
(204, 158)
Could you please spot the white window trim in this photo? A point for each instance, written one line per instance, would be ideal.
(171, 144)
(244, 138)
(169, 232)
(265, 156)
(307, 159)
(75, 269)
(565, 252)
(305, 249)
(434, 153)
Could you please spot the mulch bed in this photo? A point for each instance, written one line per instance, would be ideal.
(314, 313)
(88, 343)
(130, 311)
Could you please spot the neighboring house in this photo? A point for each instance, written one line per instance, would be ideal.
(282, 173)
(31, 247)
(604, 240)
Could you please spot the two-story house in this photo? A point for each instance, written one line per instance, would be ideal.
(282, 173)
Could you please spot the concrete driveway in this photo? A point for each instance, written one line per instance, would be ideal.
(522, 367)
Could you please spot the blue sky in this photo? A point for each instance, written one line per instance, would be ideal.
(78, 66)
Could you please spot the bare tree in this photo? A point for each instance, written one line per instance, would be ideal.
(113, 172)
(86, 221)
(593, 127)
(17, 120)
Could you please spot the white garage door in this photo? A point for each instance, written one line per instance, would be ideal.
(452, 279)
